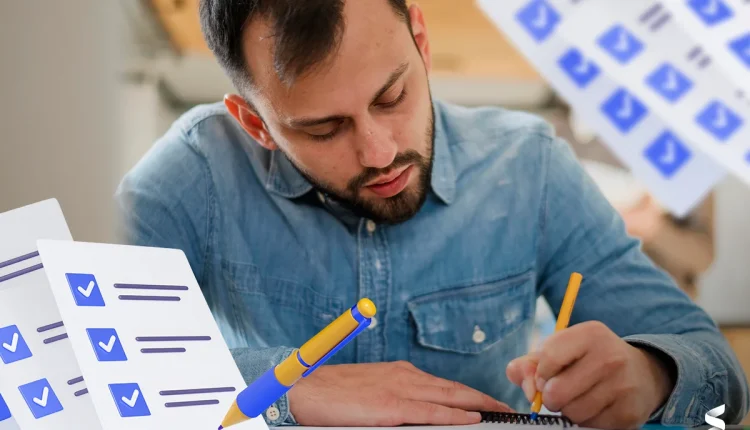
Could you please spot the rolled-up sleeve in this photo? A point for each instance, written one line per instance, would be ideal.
(581, 232)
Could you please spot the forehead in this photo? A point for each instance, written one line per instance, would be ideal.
(374, 43)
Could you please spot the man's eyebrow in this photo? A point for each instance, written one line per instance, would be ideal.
(391, 80)
(311, 122)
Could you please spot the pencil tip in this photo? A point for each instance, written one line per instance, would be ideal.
(221, 427)
(534, 416)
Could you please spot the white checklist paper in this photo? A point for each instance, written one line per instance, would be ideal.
(664, 83)
(41, 387)
(144, 337)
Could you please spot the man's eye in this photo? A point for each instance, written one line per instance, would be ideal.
(395, 101)
(322, 137)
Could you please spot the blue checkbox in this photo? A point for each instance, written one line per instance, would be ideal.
(106, 344)
(13, 346)
(669, 82)
(624, 110)
(85, 289)
(621, 44)
(4, 410)
(40, 398)
(539, 18)
(741, 47)
(719, 120)
(578, 68)
(668, 154)
(711, 12)
(129, 400)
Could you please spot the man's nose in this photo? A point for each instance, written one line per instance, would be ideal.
(375, 147)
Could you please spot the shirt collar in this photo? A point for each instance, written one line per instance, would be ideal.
(285, 180)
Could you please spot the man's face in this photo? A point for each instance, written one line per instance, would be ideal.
(360, 125)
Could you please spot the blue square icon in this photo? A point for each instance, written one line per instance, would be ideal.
(711, 12)
(621, 44)
(13, 346)
(129, 400)
(40, 398)
(106, 344)
(669, 82)
(668, 154)
(719, 120)
(741, 47)
(85, 289)
(578, 68)
(4, 410)
(624, 110)
(539, 18)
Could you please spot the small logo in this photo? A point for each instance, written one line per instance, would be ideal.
(578, 68)
(712, 12)
(85, 289)
(712, 420)
(539, 19)
(621, 44)
(668, 154)
(624, 110)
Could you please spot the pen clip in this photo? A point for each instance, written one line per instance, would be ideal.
(363, 325)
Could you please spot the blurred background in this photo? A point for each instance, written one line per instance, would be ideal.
(86, 87)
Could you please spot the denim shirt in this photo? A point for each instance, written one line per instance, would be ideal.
(509, 215)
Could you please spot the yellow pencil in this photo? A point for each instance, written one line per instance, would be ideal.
(562, 322)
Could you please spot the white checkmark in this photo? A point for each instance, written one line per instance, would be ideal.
(13, 343)
(711, 9)
(623, 42)
(670, 154)
(87, 291)
(108, 346)
(132, 400)
(43, 401)
(626, 110)
(541, 19)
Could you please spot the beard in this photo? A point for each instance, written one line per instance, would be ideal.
(391, 210)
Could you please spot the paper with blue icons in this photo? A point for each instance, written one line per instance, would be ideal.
(664, 83)
(148, 346)
(41, 387)
(7, 421)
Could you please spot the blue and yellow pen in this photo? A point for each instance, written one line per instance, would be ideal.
(273, 384)
(563, 319)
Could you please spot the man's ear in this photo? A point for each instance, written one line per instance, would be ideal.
(419, 31)
(249, 120)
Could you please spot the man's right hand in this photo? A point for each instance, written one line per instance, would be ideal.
(384, 395)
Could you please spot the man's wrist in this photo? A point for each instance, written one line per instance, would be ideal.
(662, 372)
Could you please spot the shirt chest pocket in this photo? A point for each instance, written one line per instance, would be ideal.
(457, 332)
(270, 311)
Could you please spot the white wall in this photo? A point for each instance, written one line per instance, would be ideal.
(725, 289)
(58, 109)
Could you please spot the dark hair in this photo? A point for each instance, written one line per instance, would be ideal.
(306, 31)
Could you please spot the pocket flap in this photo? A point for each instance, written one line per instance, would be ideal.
(472, 319)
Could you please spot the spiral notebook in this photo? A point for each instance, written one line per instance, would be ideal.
(490, 421)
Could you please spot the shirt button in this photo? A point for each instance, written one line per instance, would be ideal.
(272, 413)
(378, 265)
(373, 323)
(371, 226)
(479, 336)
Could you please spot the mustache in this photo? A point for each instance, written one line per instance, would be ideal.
(409, 157)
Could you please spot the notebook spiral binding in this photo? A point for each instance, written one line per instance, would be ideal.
(515, 418)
